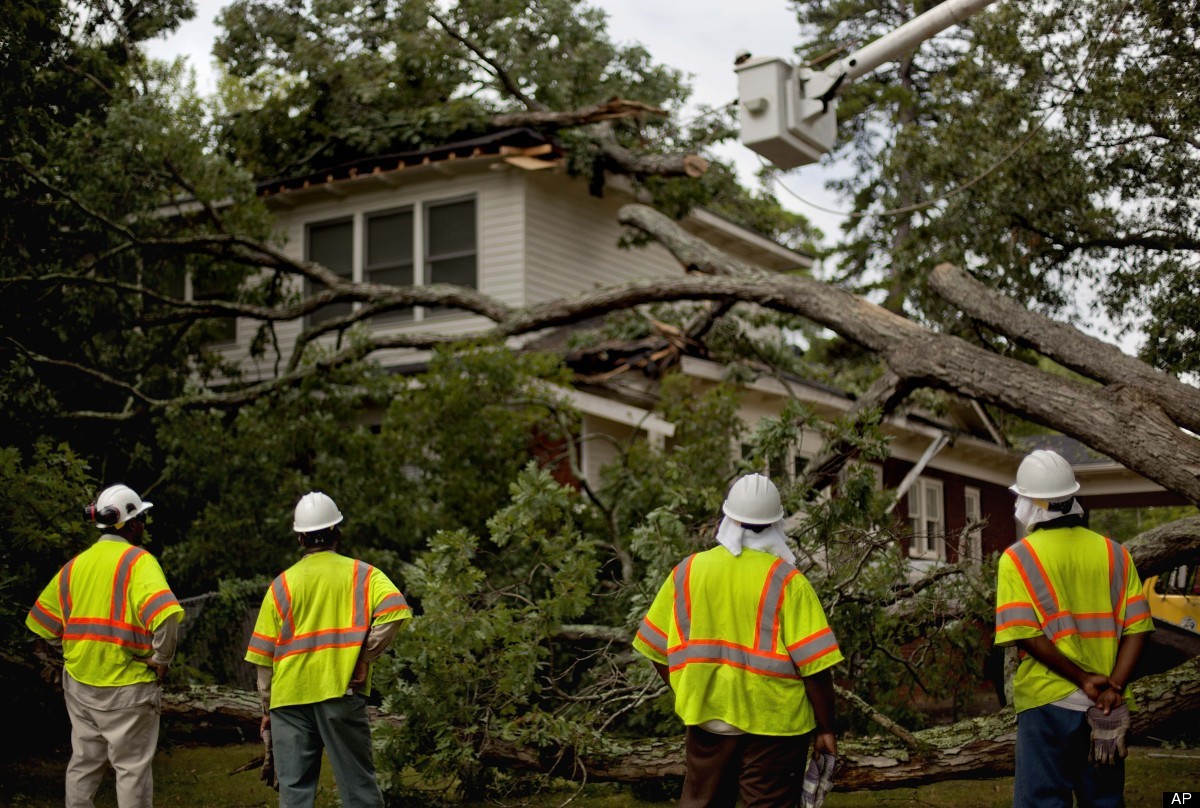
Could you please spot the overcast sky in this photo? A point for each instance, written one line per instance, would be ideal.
(699, 37)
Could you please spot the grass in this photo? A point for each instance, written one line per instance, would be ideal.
(199, 777)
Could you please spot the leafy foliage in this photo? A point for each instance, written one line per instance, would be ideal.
(1051, 152)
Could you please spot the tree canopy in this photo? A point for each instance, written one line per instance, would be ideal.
(1049, 149)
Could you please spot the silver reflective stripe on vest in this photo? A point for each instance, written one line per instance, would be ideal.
(121, 584)
(1097, 626)
(1136, 610)
(390, 604)
(1016, 614)
(361, 608)
(103, 630)
(1062, 625)
(64, 590)
(319, 640)
(683, 615)
(1042, 593)
(725, 654)
(812, 647)
(262, 646)
(153, 605)
(47, 620)
(653, 636)
(284, 604)
(772, 599)
(1116, 583)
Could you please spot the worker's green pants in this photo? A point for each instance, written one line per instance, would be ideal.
(299, 733)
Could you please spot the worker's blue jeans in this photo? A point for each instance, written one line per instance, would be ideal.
(299, 733)
(1052, 764)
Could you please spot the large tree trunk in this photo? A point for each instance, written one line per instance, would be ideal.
(980, 747)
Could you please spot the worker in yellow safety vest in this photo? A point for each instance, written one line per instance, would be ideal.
(738, 634)
(322, 622)
(116, 620)
(1070, 600)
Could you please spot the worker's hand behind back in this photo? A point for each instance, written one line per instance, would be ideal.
(824, 743)
(1109, 700)
(358, 679)
(1093, 685)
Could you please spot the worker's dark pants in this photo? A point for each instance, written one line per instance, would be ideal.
(1052, 752)
(766, 771)
(301, 731)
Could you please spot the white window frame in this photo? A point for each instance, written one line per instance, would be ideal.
(972, 549)
(420, 261)
(925, 543)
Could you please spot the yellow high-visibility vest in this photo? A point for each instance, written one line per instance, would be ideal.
(313, 622)
(1077, 588)
(105, 604)
(738, 633)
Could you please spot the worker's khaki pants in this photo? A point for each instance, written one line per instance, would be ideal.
(126, 738)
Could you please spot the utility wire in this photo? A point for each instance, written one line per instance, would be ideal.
(1075, 83)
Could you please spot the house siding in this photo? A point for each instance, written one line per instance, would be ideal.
(572, 241)
(995, 505)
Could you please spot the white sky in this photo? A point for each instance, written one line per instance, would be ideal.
(699, 37)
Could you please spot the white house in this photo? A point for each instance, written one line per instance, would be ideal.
(500, 214)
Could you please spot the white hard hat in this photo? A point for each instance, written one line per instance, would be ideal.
(315, 511)
(121, 498)
(1045, 475)
(754, 500)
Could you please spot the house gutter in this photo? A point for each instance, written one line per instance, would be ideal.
(626, 414)
(939, 443)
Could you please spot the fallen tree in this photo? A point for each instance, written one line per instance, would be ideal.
(979, 747)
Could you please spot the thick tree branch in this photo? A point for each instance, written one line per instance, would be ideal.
(1066, 344)
(980, 747)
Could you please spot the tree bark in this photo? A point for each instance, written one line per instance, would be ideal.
(1066, 344)
(979, 747)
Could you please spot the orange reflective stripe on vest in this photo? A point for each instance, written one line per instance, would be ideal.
(1056, 623)
(813, 647)
(290, 642)
(115, 629)
(770, 603)
(653, 636)
(683, 598)
(762, 658)
(1138, 608)
(390, 603)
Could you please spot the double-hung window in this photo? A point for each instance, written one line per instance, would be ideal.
(330, 244)
(926, 519)
(431, 242)
(389, 255)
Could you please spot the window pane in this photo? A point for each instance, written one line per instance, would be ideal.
(777, 467)
(458, 271)
(798, 465)
(396, 276)
(330, 246)
(390, 240)
(451, 228)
